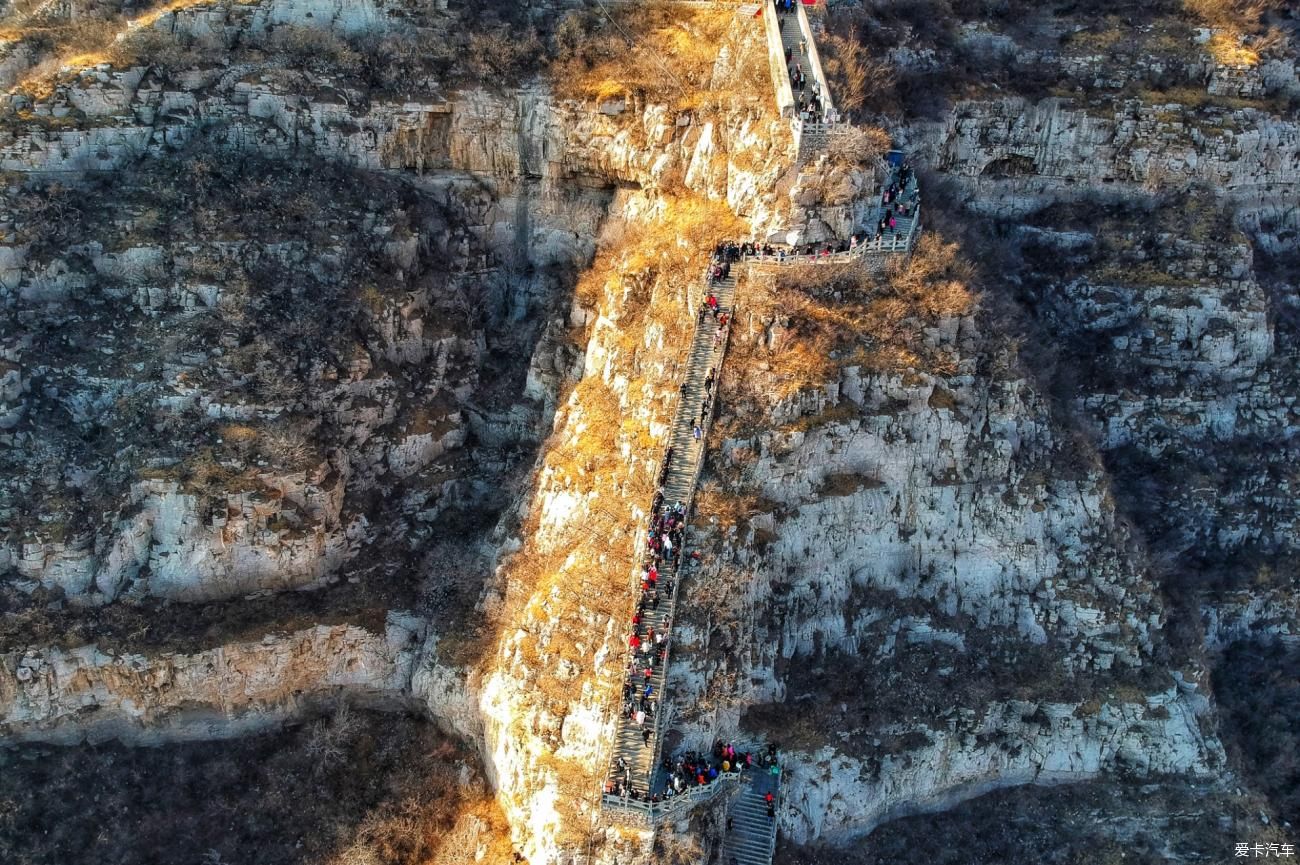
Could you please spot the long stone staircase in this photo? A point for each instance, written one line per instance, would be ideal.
(789, 26)
(637, 789)
(637, 751)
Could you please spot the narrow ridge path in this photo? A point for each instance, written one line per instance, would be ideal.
(636, 788)
(638, 752)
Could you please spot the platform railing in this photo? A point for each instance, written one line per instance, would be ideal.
(651, 812)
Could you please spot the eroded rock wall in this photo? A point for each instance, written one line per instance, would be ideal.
(85, 694)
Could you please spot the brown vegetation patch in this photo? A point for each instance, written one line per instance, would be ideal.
(353, 789)
(659, 52)
(800, 326)
(847, 483)
(1103, 822)
(729, 505)
(941, 398)
(652, 266)
(1242, 31)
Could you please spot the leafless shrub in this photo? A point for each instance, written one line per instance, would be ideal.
(402, 795)
(852, 70)
(863, 145)
(359, 853)
(499, 56)
(328, 741)
(314, 49)
(286, 443)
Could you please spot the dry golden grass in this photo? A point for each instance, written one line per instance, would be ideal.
(659, 52)
(1240, 33)
(935, 279)
(1227, 48)
(730, 507)
(650, 265)
(829, 317)
(864, 145)
(593, 451)
(233, 432)
(87, 41)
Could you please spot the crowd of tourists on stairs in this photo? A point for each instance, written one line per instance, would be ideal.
(897, 201)
(649, 644)
(811, 107)
(665, 541)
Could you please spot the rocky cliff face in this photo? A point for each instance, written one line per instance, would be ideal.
(360, 386)
(932, 596)
(1154, 255)
(1016, 155)
(324, 330)
(71, 696)
(253, 474)
(532, 148)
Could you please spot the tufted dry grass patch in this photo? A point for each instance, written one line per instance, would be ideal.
(654, 267)
(659, 52)
(728, 505)
(99, 33)
(798, 327)
(1241, 29)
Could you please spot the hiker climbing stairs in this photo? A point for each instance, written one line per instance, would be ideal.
(635, 756)
(750, 838)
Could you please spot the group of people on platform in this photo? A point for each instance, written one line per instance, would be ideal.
(693, 769)
(897, 202)
(798, 252)
(811, 111)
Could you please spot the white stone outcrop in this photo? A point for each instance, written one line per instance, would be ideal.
(1014, 155)
(836, 797)
(66, 696)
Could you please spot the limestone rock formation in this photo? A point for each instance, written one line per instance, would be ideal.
(339, 342)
